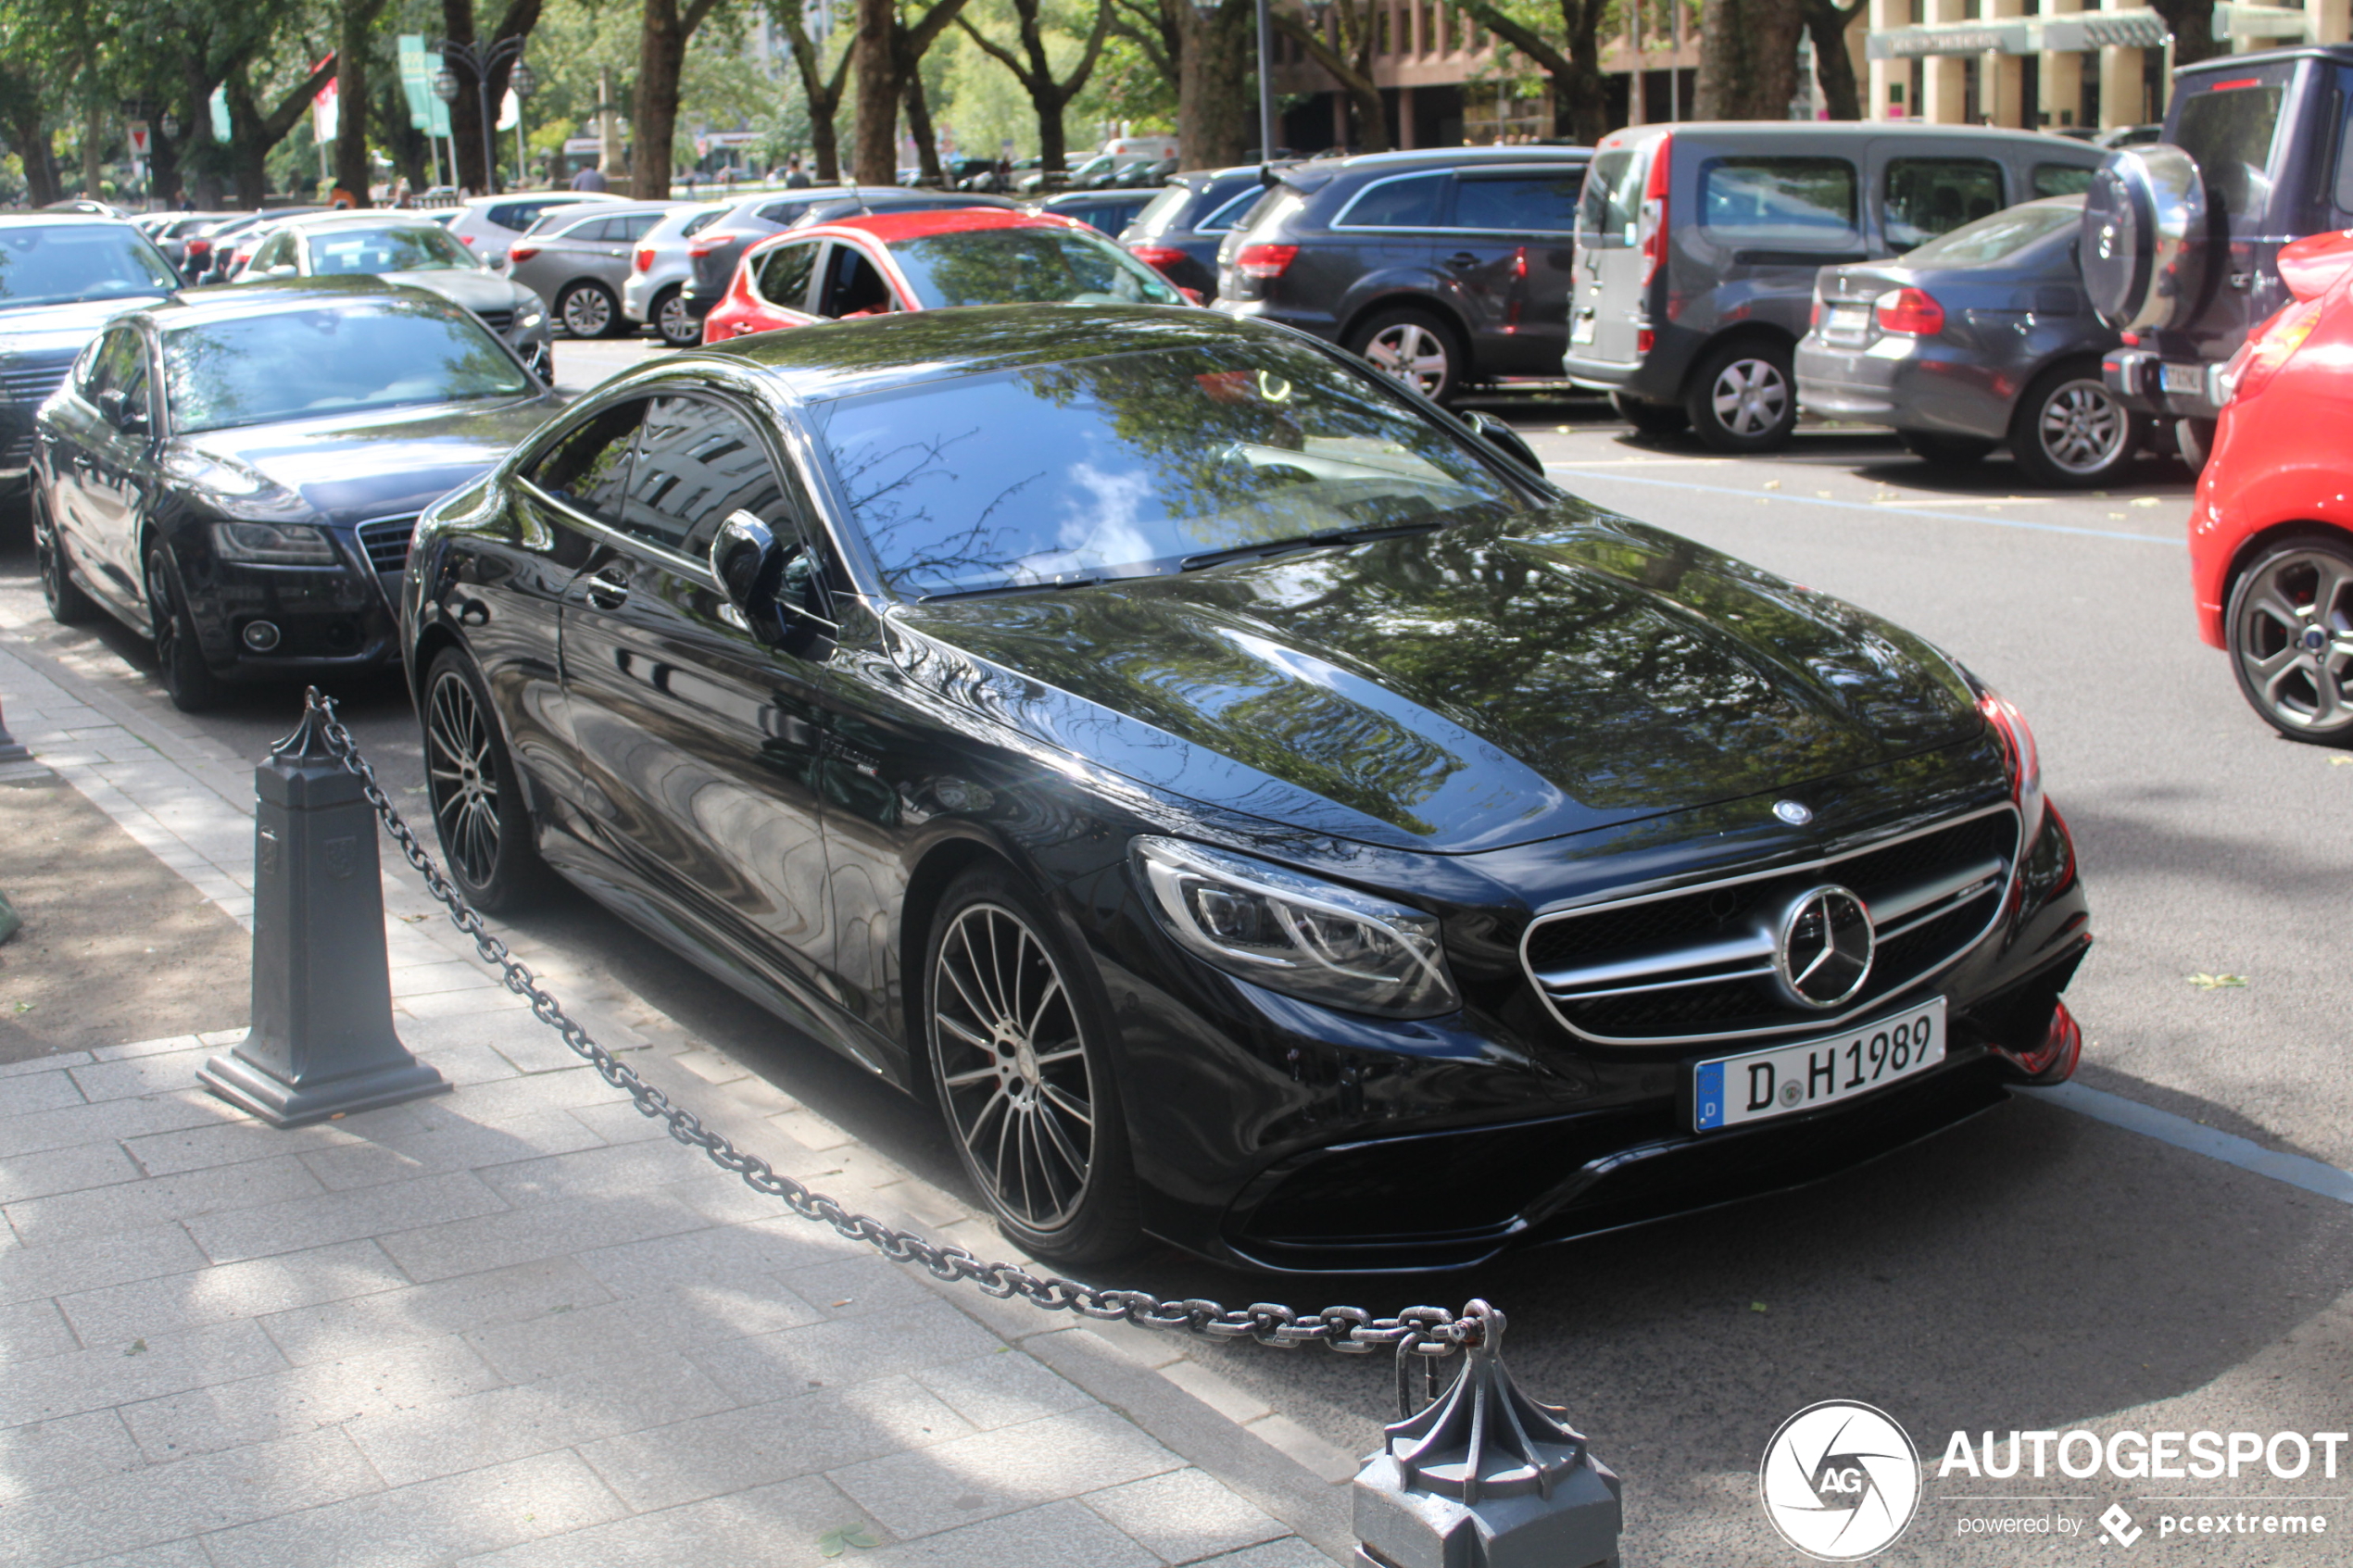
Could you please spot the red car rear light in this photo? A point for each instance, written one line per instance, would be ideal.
(2272, 345)
(521, 252)
(199, 248)
(644, 260)
(1162, 256)
(1644, 340)
(465, 239)
(1265, 262)
(702, 244)
(1911, 311)
(1649, 227)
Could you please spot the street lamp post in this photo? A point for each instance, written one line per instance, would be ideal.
(482, 63)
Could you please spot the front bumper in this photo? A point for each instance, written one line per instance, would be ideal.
(329, 619)
(2147, 384)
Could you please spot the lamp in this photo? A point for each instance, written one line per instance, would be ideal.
(445, 85)
(524, 82)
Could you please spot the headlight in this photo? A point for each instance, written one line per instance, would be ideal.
(2022, 756)
(527, 320)
(1298, 934)
(273, 544)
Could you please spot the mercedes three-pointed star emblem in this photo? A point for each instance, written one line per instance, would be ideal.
(1822, 947)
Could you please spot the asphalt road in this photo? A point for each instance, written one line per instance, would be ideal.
(2033, 1270)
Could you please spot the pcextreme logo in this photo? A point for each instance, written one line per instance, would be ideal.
(1839, 1481)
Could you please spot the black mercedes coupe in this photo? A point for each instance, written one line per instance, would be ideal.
(1257, 806)
(236, 474)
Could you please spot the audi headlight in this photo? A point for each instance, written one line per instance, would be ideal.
(273, 544)
(1295, 933)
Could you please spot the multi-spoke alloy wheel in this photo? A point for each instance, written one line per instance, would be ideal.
(1744, 399)
(477, 808)
(2070, 429)
(68, 604)
(675, 322)
(1016, 1055)
(1412, 348)
(2290, 623)
(188, 681)
(587, 310)
(1749, 396)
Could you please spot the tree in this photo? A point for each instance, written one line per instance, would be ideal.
(352, 172)
(1581, 104)
(254, 129)
(654, 119)
(1347, 56)
(465, 110)
(886, 53)
(1825, 23)
(1035, 72)
(1747, 59)
(25, 120)
(821, 87)
(1216, 113)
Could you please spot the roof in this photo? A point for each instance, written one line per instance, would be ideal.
(892, 227)
(2341, 52)
(1449, 158)
(1899, 130)
(63, 221)
(270, 295)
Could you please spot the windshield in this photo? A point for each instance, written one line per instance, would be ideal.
(41, 264)
(1993, 239)
(1027, 266)
(254, 369)
(417, 247)
(1137, 462)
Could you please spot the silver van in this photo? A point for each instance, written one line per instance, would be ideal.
(1697, 244)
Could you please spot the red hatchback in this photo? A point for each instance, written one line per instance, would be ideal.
(2272, 530)
(926, 261)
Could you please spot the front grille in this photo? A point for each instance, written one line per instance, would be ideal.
(386, 542)
(33, 383)
(1697, 963)
(497, 320)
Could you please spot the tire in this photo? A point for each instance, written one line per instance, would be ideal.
(2193, 439)
(2068, 429)
(2289, 627)
(1651, 419)
(1944, 451)
(589, 311)
(69, 605)
(1017, 1045)
(188, 681)
(673, 323)
(477, 801)
(1744, 398)
(1415, 348)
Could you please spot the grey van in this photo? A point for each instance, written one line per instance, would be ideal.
(1697, 244)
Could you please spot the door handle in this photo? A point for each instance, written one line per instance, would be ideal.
(607, 590)
(1461, 260)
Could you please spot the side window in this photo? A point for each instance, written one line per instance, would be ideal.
(781, 213)
(630, 230)
(853, 285)
(587, 468)
(276, 251)
(1923, 197)
(1230, 213)
(1395, 204)
(107, 363)
(595, 232)
(2061, 180)
(784, 275)
(697, 462)
(1801, 202)
(1518, 203)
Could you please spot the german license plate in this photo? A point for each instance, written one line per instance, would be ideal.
(2188, 380)
(1785, 1079)
(1848, 320)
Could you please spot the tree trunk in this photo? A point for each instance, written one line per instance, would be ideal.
(1825, 23)
(1214, 109)
(163, 166)
(1053, 151)
(31, 133)
(919, 127)
(199, 155)
(465, 110)
(253, 132)
(874, 158)
(662, 53)
(1747, 59)
(352, 172)
(2193, 25)
(1587, 107)
(93, 166)
(400, 136)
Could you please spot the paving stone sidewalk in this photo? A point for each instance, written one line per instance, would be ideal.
(516, 1324)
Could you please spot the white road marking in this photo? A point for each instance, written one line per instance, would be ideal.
(2295, 1170)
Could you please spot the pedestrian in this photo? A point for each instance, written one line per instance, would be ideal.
(796, 178)
(590, 178)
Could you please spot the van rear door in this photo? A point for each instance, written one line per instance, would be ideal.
(1605, 297)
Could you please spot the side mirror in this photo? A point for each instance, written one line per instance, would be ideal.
(1504, 439)
(773, 584)
(116, 407)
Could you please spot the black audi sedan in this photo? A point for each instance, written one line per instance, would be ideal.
(1258, 807)
(236, 474)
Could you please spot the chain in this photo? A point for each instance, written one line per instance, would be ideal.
(1416, 1331)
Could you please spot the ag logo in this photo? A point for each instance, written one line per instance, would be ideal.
(1839, 1481)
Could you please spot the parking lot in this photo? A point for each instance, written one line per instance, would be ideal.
(2037, 1269)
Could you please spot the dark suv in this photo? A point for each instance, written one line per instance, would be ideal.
(1697, 246)
(1189, 217)
(1444, 268)
(2181, 239)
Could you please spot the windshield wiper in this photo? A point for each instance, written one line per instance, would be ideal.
(1000, 589)
(1309, 542)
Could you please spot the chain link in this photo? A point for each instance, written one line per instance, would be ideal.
(1416, 1331)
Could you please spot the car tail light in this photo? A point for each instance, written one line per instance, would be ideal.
(644, 260)
(1911, 311)
(1650, 228)
(1162, 256)
(1814, 317)
(2130, 340)
(199, 248)
(2270, 347)
(2051, 1059)
(702, 244)
(1644, 340)
(1265, 262)
(521, 252)
(465, 239)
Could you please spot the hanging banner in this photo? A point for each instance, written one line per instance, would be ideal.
(323, 118)
(426, 111)
(218, 104)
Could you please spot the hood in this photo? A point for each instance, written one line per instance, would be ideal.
(352, 466)
(1467, 690)
(58, 331)
(474, 289)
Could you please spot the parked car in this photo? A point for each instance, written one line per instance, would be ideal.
(234, 474)
(407, 250)
(1021, 170)
(63, 276)
(1180, 228)
(1697, 245)
(1108, 212)
(717, 249)
(1259, 810)
(234, 242)
(929, 261)
(2271, 527)
(2179, 237)
(1085, 175)
(172, 231)
(1980, 337)
(577, 261)
(489, 224)
(654, 292)
(1444, 268)
(1145, 176)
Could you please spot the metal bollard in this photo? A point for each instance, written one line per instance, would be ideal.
(1486, 1477)
(322, 1042)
